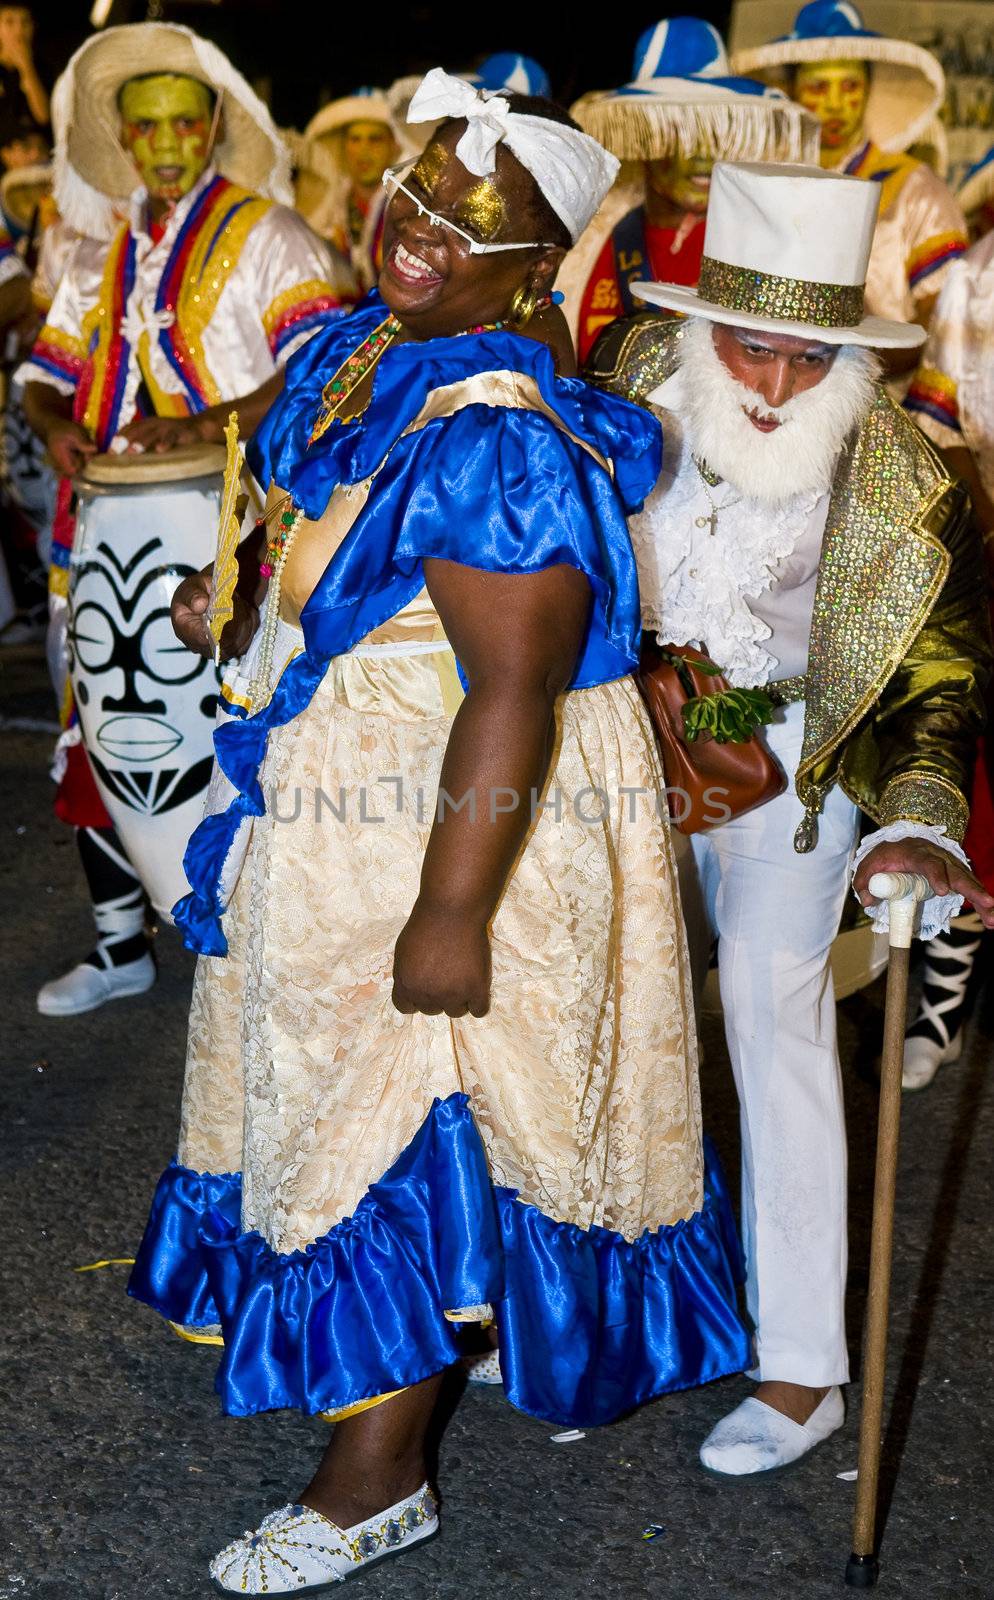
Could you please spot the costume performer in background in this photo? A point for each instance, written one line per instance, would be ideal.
(807, 537)
(952, 400)
(508, 70)
(345, 150)
(22, 93)
(976, 196)
(875, 97)
(683, 110)
(157, 329)
(453, 1059)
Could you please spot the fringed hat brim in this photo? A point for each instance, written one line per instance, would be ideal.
(720, 124)
(875, 333)
(251, 153)
(906, 91)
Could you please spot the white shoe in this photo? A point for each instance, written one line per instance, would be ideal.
(85, 987)
(298, 1551)
(754, 1438)
(483, 1369)
(923, 1056)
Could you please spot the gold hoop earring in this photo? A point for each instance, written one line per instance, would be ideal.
(524, 304)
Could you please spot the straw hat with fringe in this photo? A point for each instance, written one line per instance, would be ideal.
(684, 98)
(94, 176)
(907, 84)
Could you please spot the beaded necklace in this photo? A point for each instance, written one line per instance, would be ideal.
(289, 516)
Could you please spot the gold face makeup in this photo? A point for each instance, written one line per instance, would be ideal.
(482, 211)
(430, 168)
(165, 127)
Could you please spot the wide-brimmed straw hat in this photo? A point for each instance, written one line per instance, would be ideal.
(684, 98)
(977, 187)
(86, 118)
(907, 84)
(20, 189)
(785, 251)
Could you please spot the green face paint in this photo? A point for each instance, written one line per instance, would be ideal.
(165, 127)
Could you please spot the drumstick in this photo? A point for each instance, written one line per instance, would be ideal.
(222, 606)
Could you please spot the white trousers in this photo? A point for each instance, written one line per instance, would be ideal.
(776, 914)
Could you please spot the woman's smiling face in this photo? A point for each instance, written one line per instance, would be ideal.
(431, 279)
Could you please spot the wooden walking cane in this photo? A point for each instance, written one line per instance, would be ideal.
(903, 891)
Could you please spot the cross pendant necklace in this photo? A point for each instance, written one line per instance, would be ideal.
(711, 520)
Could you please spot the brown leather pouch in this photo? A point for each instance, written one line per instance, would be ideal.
(708, 781)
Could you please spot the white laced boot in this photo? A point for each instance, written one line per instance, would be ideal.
(935, 1038)
(120, 920)
(298, 1551)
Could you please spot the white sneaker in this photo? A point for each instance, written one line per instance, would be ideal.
(85, 987)
(754, 1438)
(298, 1551)
(923, 1056)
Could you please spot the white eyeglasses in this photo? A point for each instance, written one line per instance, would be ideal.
(392, 183)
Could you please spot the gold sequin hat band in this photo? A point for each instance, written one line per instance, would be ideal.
(767, 294)
(785, 251)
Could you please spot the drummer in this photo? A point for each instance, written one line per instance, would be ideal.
(161, 325)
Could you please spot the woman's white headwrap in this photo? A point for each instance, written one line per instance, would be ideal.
(572, 170)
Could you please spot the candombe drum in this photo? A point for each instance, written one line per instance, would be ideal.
(145, 703)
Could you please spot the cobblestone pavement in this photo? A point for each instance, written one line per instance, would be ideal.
(120, 1478)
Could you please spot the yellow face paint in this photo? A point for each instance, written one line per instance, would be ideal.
(165, 127)
(836, 91)
(481, 211)
(369, 149)
(683, 180)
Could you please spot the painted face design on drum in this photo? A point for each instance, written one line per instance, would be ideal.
(134, 680)
(165, 127)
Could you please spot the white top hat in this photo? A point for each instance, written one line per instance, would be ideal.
(785, 251)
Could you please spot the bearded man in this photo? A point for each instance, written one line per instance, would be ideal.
(190, 291)
(805, 535)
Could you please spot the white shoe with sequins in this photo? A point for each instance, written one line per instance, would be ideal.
(298, 1551)
(483, 1369)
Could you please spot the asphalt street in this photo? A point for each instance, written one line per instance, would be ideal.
(120, 1478)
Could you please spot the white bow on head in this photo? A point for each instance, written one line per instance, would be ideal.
(572, 170)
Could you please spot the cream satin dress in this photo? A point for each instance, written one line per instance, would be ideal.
(583, 1076)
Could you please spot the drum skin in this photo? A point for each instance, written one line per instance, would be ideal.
(146, 704)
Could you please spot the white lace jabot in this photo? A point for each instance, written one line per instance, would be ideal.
(696, 585)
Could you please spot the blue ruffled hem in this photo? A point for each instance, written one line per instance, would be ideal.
(591, 1324)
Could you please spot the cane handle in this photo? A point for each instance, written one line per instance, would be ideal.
(903, 891)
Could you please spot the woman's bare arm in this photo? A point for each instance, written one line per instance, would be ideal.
(518, 638)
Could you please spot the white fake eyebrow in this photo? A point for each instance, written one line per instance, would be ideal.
(745, 336)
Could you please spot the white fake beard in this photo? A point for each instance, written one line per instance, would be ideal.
(800, 456)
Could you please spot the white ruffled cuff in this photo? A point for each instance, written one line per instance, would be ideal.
(935, 914)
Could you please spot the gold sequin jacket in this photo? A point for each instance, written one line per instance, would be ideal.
(900, 650)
